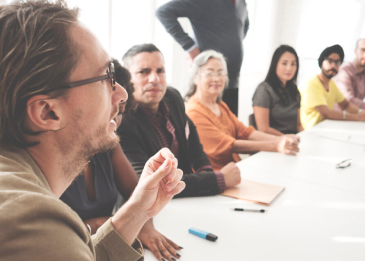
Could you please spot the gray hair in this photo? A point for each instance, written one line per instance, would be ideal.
(200, 61)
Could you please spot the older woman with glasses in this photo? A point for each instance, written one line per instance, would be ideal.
(221, 133)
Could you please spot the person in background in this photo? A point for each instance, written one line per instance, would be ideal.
(320, 93)
(350, 79)
(221, 133)
(276, 101)
(59, 99)
(93, 195)
(218, 25)
(160, 121)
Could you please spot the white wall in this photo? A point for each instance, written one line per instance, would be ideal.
(307, 25)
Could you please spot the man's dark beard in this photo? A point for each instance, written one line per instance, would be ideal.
(327, 75)
(359, 63)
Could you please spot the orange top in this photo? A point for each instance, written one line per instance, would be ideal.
(217, 134)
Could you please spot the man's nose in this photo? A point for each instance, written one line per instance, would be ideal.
(154, 78)
(120, 95)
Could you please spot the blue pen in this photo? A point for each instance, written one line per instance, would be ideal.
(203, 234)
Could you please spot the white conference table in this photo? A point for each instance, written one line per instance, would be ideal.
(319, 216)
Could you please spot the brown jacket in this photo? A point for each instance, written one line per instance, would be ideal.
(36, 225)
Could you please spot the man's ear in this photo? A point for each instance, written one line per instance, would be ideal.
(44, 113)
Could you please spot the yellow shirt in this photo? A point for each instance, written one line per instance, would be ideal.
(313, 94)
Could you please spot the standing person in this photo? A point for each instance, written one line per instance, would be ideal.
(221, 133)
(93, 195)
(276, 101)
(220, 25)
(351, 77)
(59, 99)
(160, 121)
(320, 93)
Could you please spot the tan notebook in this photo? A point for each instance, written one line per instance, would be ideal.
(253, 191)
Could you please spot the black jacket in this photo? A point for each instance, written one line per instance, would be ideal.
(139, 143)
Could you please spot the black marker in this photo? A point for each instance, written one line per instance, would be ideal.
(249, 210)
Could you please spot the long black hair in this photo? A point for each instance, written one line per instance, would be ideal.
(272, 78)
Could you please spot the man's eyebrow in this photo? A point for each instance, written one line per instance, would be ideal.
(211, 69)
(143, 68)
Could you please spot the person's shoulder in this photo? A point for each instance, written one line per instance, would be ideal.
(132, 118)
(41, 221)
(195, 110)
(311, 83)
(333, 85)
(348, 66)
(17, 169)
(225, 109)
(264, 87)
(174, 99)
(46, 228)
(172, 93)
(192, 105)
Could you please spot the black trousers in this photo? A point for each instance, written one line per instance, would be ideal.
(230, 94)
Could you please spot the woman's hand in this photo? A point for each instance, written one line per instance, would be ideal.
(288, 144)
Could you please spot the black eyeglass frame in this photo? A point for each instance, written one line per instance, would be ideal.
(110, 75)
(336, 62)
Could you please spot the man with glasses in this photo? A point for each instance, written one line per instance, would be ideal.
(59, 101)
(351, 77)
(160, 121)
(320, 94)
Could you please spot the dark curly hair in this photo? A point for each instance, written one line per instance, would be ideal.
(123, 77)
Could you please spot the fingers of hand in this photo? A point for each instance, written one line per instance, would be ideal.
(178, 188)
(165, 153)
(171, 175)
(161, 173)
(291, 149)
(237, 180)
(160, 157)
(172, 243)
(171, 186)
(289, 152)
(171, 249)
(155, 251)
(172, 179)
(164, 251)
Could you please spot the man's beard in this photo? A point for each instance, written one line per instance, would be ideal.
(361, 63)
(326, 73)
(78, 149)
